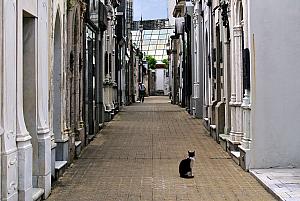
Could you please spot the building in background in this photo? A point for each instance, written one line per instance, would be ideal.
(171, 6)
(161, 79)
(151, 24)
(152, 41)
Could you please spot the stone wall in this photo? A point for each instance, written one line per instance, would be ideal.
(275, 92)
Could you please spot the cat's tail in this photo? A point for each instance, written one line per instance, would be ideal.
(187, 176)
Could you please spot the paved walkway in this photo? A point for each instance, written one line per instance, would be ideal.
(136, 157)
(284, 183)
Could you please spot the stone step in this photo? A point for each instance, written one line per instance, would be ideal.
(235, 155)
(60, 167)
(90, 138)
(37, 194)
(214, 127)
(213, 132)
(78, 148)
(101, 125)
(206, 123)
(223, 138)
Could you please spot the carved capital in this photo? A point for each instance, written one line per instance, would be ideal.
(237, 31)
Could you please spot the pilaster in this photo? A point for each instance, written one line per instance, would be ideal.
(44, 147)
(1, 103)
(238, 32)
(9, 154)
(227, 86)
(25, 157)
(245, 147)
(246, 141)
(62, 148)
(43, 131)
(236, 133)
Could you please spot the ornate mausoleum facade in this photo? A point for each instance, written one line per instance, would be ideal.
(55, 57)
(233, 54)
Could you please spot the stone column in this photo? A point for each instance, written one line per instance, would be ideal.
(227, 85)
(101, 52)
(246, 105)
(115, 74)
(210, 67)
(82, 32)
(197, 111)
(43, 131)
(238, 39)
(109, 50)
(200, 67)
(246, 141)
(107, 65)
(206, 76)
(50, 57)
(174, 69)
(236, 61)
(97, 83)
(245, 147)
(1, 102)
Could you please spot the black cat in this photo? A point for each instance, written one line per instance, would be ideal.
(186, 166)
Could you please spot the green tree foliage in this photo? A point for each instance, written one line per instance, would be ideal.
(166, 61)
(151, 61)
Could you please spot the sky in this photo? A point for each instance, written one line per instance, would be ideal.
(150, 9)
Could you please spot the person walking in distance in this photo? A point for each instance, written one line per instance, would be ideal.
(142, 90)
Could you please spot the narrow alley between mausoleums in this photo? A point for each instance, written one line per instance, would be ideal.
(136, 158)
(149, 100)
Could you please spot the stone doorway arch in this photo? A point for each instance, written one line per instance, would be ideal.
(57, 83)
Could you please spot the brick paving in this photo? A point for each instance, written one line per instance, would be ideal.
(136, 157)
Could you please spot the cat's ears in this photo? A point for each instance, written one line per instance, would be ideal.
(191, 153)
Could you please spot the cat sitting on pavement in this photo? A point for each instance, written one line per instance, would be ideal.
(186, 166)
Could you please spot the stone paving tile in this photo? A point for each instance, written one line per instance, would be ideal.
(136, 157)
(284, 183)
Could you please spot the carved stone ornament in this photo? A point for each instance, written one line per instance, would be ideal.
(44, 4)
(237, 31)
(195, 18)
(11, 135)
(12, 161)
(12, 187)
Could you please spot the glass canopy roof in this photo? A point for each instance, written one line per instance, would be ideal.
(154, 42)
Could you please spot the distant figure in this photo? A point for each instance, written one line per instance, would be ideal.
(142, 90)
(186, 166)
